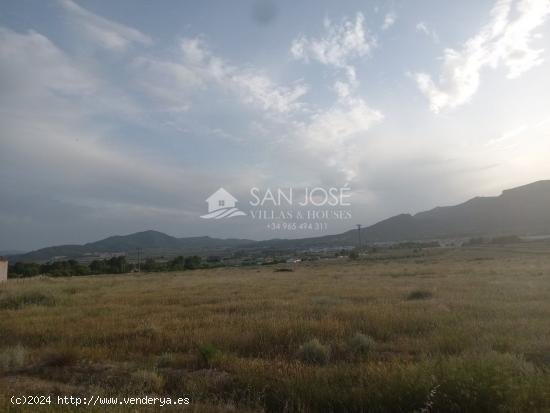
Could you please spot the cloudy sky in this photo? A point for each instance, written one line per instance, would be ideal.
(124, 116)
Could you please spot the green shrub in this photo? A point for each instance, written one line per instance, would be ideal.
(361, 344)
(354, 255)
(207, 354)
(192, 263)
(313, 352)
(486, 382)
(419, 295)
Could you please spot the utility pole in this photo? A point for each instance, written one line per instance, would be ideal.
(359, 236)
(139, 259)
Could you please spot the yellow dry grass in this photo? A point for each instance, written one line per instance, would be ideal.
(458, 330)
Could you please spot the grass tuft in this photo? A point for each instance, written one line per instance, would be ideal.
(313, 352)
(207, 355)
(361, 344)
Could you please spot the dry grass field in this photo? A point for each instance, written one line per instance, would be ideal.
(453, 330)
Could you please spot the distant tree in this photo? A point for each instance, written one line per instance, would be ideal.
(20, 270)
(193, 262)
(114, 265)
(67, 268)
(176, 264)
(99, 267)
(81, 270)
(149, 265)
(118, 265)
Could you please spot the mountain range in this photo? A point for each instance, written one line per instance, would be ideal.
(150, 243)
(524, 210)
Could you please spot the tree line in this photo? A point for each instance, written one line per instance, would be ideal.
(114, 265)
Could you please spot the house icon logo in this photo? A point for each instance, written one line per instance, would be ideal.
(221, 204)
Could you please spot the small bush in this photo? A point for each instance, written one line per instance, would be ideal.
(361, 344)
(419, 295)
(207, 354)
(12, 358)
(488, 382)
(313, 352)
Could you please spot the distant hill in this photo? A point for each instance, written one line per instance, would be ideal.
(149, 242)
(523, 210)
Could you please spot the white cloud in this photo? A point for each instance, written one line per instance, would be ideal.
(169, 83)
(258, 88)
(341, 43)
(59, 80)
(49, 125)
(107, 33)
(198, 68)
(422, 27)
(506, 41)
(336, 126)
(342, 89)
(22, 54)
(333, 138)
(389, 21)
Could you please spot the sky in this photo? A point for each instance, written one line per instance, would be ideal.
(117, 117)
